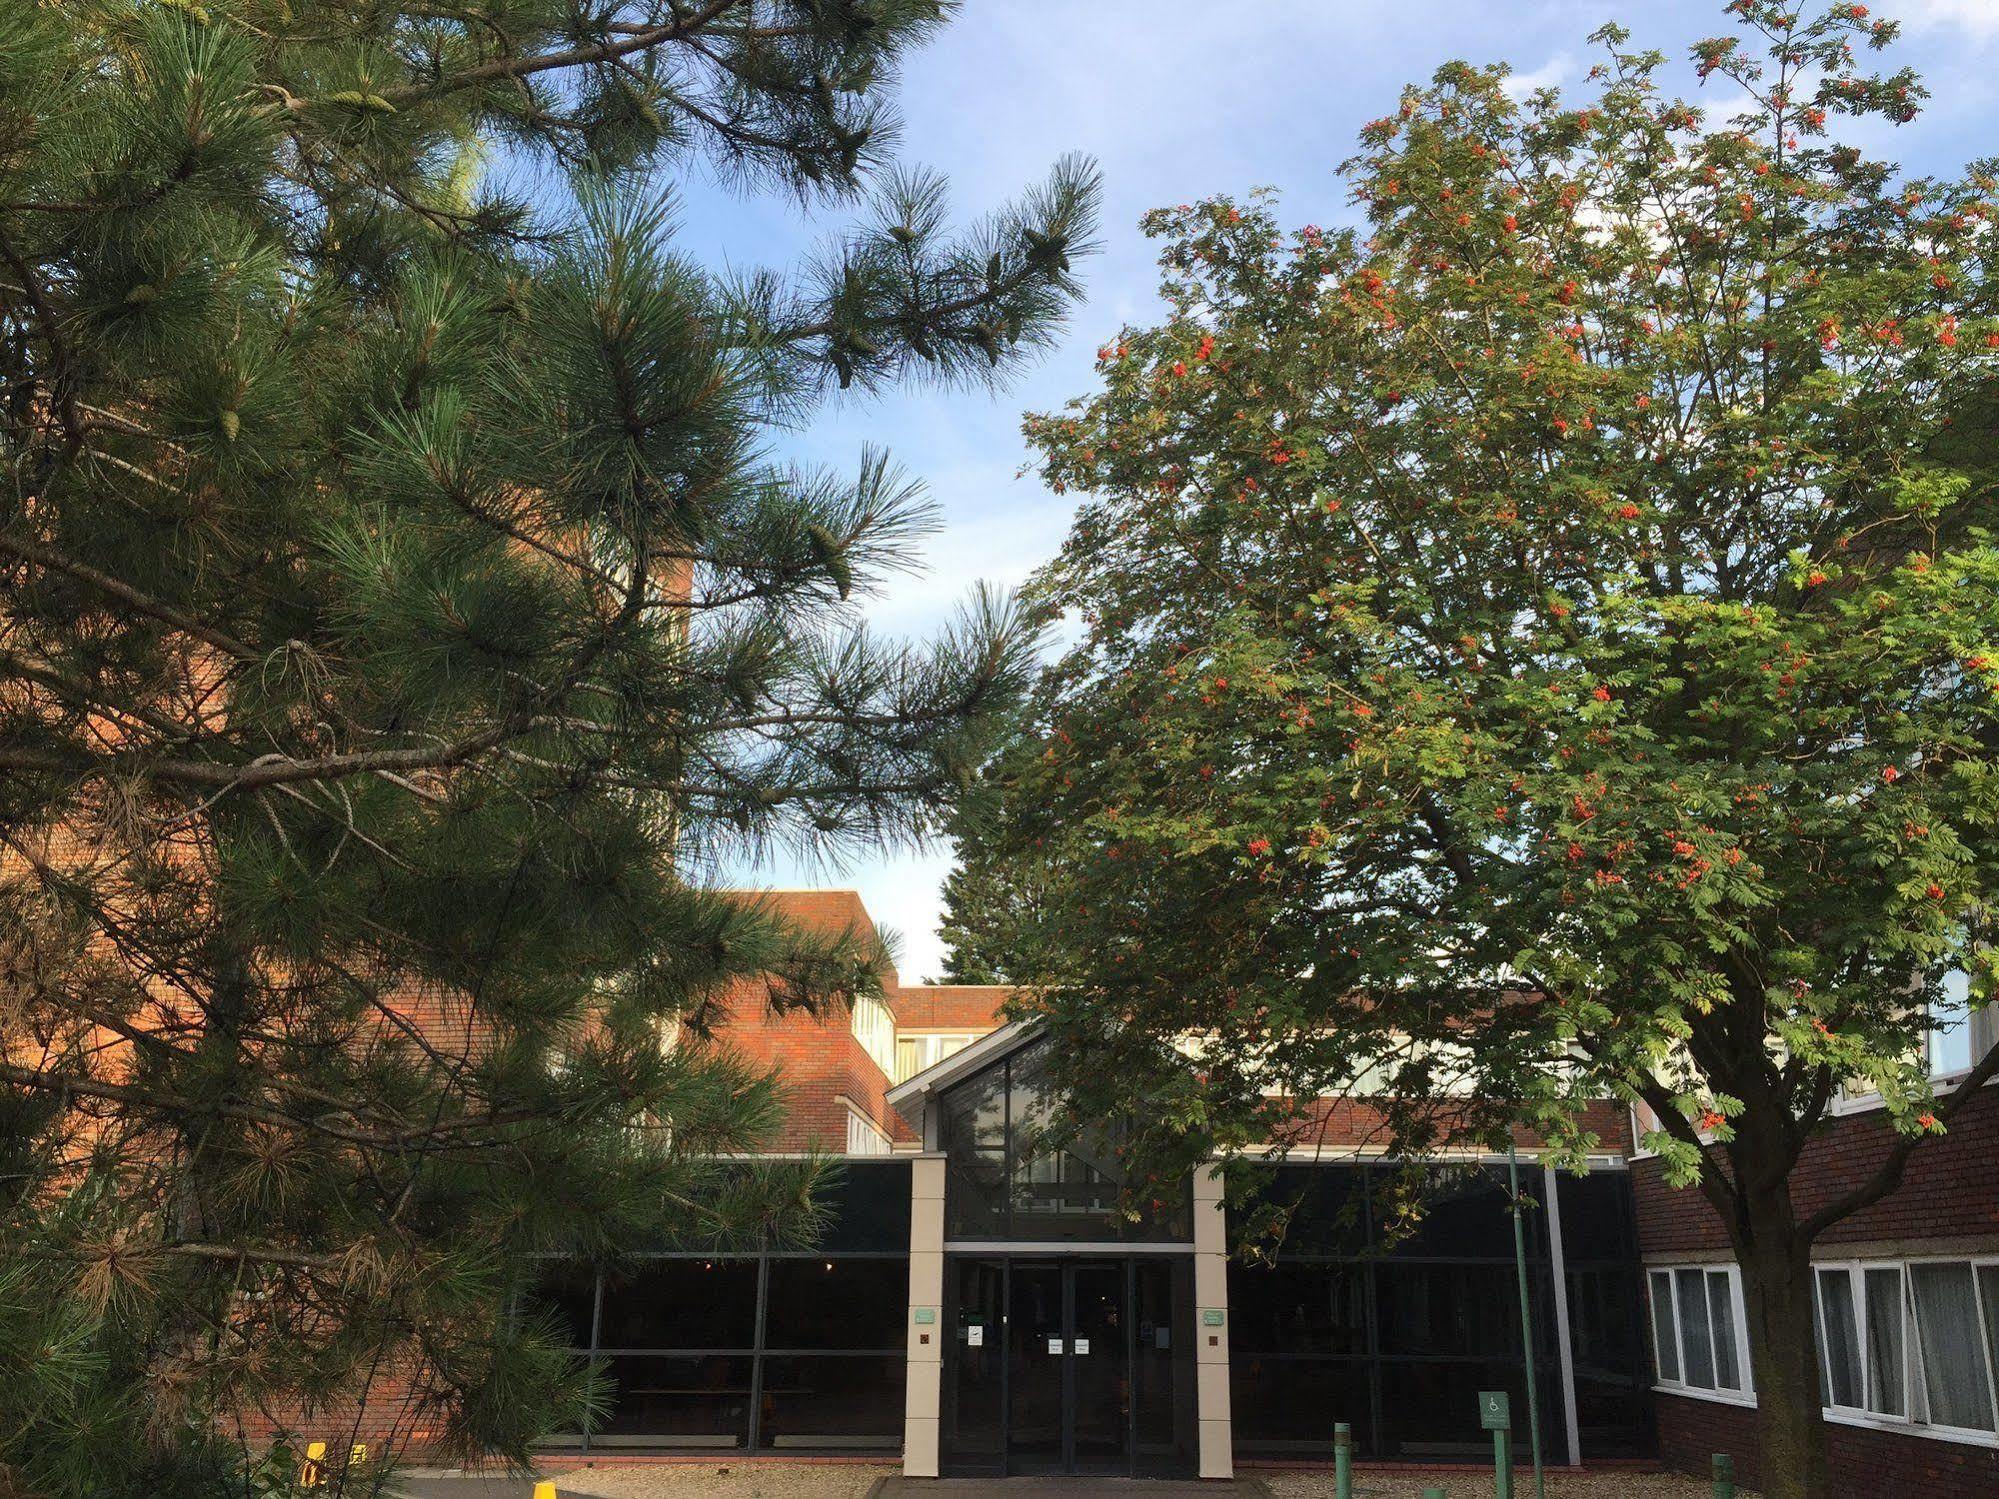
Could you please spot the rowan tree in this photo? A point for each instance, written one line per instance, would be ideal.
(1542, 645)
(403, 613)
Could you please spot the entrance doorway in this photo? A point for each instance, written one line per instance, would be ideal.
(1077, 1364)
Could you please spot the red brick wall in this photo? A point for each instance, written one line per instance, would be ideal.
(818, 1057)
(970, 1008)
(1877, 1464)
(1345, 1123)
(1950, 1195)
(819, 1061)
(1951, 1188)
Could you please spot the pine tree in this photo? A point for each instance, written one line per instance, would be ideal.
(996, 897)
(401, 610)
(1543, 646)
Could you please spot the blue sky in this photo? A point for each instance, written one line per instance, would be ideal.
(1179, 99)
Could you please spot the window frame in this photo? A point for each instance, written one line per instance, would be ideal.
(1982, 1021)
(760, 1351)
(1742, 1394)
(1917, 1380)
(1914, 1379)
(930, 1047)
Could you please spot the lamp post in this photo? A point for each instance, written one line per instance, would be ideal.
(1526, 1322)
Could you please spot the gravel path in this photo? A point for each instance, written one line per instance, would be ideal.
(852, 1481)
(1605, 1485)
(687, 1481)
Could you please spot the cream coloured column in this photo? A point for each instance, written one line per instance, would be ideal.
(926, 1326)
(1211, 1332)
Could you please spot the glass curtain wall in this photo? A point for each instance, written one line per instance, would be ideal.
(1395, 1329)
(1015, 1170)
(769, 1352)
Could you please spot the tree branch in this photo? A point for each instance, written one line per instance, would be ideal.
(521, 67)
(1888, 1176)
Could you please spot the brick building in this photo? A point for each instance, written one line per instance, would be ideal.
(1907, 1303)
(979, 1306)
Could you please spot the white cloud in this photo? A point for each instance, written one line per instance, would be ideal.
(1978, 18)
(1553, 73)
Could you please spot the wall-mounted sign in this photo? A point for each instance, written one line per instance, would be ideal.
(926, 1314)
(1211, 1316)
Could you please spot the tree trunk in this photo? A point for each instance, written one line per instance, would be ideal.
(1783, 1346)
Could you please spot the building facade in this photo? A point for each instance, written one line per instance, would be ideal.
(980, 1306)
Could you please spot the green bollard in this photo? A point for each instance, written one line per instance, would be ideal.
(1433, 1492)
(1502, 1464)
(1342, 1460)
(1724, 1476)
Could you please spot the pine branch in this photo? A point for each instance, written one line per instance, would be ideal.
(125, 593)
(639, 40)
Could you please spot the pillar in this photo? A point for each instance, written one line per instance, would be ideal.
(923, 1404)
(1211, 1330)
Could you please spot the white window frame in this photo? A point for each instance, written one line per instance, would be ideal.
(873, 1025)
(1739, 1329)
(1645, 1120)
(1915, 1387)
(930, 1049)
(864, 1138)
(1983, 1023)
(1914, 1422)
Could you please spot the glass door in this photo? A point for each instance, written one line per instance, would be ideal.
(1068, 1359)
(973, 1428)
(1037, 1337)
(1072, 1365)
(1099, 1405)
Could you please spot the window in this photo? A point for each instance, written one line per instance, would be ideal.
(1960, 1033)
(1697, 1333)
(1887, 1341)
(758, 1351)
(1950, 1338)
(1839, 1339)
(1016, 1169)
(862, 1136)
(914, 1053)
(1357, 1319)
(1665, 1341)
(1910, 1343)
(874, 1028)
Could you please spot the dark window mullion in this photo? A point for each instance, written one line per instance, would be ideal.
(596, 1328)
(753, 1436)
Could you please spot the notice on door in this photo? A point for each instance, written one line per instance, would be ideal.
(1082, 1345)
(975, 1337)
(1054, 1345)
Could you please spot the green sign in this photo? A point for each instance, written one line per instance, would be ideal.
(1211, 1316)
(1494, 1412)
(926, 1314)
